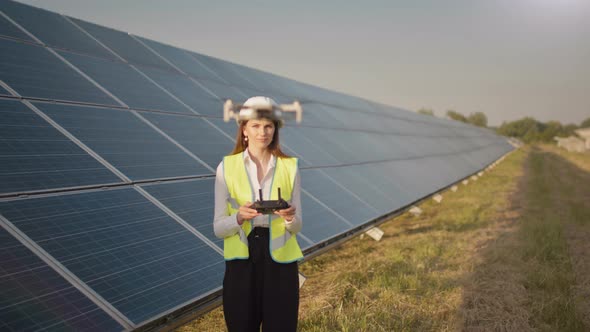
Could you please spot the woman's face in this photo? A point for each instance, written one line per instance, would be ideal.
(259, 132)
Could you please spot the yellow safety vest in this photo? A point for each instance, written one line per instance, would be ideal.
(283, 245)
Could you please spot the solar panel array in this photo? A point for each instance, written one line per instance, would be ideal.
(108, 146)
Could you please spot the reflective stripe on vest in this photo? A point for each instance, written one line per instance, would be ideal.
(283, 245)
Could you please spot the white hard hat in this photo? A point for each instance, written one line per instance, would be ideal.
(260, 102)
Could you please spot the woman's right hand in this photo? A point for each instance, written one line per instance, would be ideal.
(245, 213)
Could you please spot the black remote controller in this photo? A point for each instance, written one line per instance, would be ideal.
(269, 207)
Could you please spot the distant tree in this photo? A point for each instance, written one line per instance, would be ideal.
(478, 119)
(585, 123)
(549, 130)
(456, 116)
(569, 130)
(526, 129)
(530, 130)
(426, 111)
(532, 134)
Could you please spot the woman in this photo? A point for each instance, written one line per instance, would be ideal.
(261, 283)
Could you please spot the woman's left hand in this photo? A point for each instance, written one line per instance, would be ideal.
(288, 214)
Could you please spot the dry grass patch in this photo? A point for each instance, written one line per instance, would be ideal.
(573, 198)
(536, 278)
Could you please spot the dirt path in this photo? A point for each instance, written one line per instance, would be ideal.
(572, 197)
(494, 296)
(537, 277)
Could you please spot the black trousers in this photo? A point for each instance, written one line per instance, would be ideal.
(259, 290)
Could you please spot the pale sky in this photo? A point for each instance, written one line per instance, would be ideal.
(506, 58)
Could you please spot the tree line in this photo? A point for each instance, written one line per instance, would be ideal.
(528, 129)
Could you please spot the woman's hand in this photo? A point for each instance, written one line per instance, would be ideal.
(246, 213)
(288, 214)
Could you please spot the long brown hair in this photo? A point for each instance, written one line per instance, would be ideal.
(274, 147)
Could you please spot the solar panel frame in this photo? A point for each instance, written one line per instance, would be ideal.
(126, 83)
(40, 157)
(62, 34)
(342, 119)
(339, 142)
(111, 248)
(224, 69)
(223, 91)
(298, 139)
(320, 223)
(181, 59)
(314, 117)
(123, 45)
(4, 92)
(187, 90)
(34, 73)
(178, 196)
(8, 29)
(260, 79)
(35, 296)
(350, 177)
(314, 182)
(379, 175)
(126, 142)
(198, 136)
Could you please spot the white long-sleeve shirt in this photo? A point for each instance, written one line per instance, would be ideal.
(225, 225)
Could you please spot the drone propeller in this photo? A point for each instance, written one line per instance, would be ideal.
(281, 113)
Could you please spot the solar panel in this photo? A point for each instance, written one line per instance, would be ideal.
(192, 200)
(36, 156)
(35, 297)
(187, 90)
(347, 101)
(333, 117)
(223, 91)
(7, 29)
(339, 143)
(261, 80)
(229, 128)
(123, 44)
(319, 221)
(224, 70)
(181, 59)
(345, 203)
(4, 92)
(408, 170)
(125, 141)
(314, 117)
(62, 33)
(196, 135)
(354, 179)
(107, 167)
(478, 157)
(123, 247)
(269, 82)
(126, 84)
(34, 72)
(299, 140)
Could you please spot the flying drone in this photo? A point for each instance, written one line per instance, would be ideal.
(262, 107)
